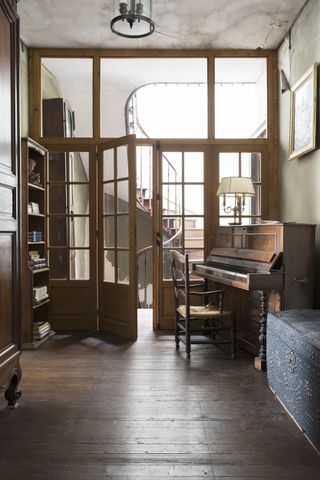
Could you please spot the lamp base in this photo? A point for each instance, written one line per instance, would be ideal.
(235, 223)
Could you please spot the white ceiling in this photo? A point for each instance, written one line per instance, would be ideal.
(179, 23)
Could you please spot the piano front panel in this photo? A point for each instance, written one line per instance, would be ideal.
(268, 237)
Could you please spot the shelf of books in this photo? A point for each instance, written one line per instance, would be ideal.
(35, 270)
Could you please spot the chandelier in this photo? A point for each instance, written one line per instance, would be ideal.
(132, 19)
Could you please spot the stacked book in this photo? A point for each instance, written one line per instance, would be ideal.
(40, 294)
(40, 330)
(35, 236)
(35, 261)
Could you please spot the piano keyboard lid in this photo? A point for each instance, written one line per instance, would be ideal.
(245, 260)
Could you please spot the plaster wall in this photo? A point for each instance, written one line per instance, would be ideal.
(299, 179)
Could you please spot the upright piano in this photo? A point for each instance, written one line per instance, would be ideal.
(261, 267)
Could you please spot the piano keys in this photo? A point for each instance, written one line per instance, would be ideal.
(270, 262)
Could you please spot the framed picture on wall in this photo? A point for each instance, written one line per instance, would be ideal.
(303, 114)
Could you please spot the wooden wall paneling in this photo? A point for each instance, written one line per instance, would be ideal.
(35, 89)
(152, 52)
(273, 136)
(10, 372)
(155, 229)
(96, 97)
(265, 145)
(211, 97)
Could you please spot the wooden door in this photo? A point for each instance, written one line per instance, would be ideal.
(117, 237)
(9, 200)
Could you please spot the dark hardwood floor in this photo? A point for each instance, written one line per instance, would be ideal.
(95, 408)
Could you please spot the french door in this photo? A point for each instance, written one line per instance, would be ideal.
(117, 237)
(184, 216)
(92, 244)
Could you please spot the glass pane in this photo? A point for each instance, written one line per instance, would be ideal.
(144, 176)
(229, 165)
(195, 256)
(171, 167)
(193, 199)
(123, 231)
(108, 165)
(172, 232)
(251, 166)
(123, 267)
(108, 198)
(193, 167)
(58, 263)
(122, 162)
(171, 199)
(79, 264)
(79, 232)
(108, 223)
(109, 266)
(58, 167)
(58, 231)
(252, 204)
(57, 199)
(240, 97)
(123, 196)
(193, 232)
(172, 102)
(167, 265)
(66, 97)
(79, 166)
(79, 199)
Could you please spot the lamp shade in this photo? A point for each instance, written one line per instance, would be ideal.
(236, 186)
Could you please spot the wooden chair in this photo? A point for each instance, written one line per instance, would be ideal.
(208, 319)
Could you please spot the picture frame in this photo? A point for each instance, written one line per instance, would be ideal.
(303, 113)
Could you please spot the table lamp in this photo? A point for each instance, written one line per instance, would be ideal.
(239, 188)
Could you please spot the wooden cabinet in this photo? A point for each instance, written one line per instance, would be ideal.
(34, 265)
(10, 372)
(57, 118)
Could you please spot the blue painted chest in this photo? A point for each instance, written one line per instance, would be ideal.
(293, 366)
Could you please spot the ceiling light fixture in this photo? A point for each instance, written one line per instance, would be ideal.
(132, 19)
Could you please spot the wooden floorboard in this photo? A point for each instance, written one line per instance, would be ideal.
(95, 407)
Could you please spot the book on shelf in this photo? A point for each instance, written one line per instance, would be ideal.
(35, 236)
(33, 207)
(34, 254)
(36, 262)
(40, 294)
(40, 329)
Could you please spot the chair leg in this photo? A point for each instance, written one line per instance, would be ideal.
(177, 332)
(233, 336)
(188, 339)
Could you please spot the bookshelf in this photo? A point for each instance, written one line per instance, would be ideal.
(34, 265)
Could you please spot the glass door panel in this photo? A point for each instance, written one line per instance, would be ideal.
(182, 205)
(242, 164)
(72, 237)
(182, 212)
(117, 237)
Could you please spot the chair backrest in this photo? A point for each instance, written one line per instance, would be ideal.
(180, 276)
